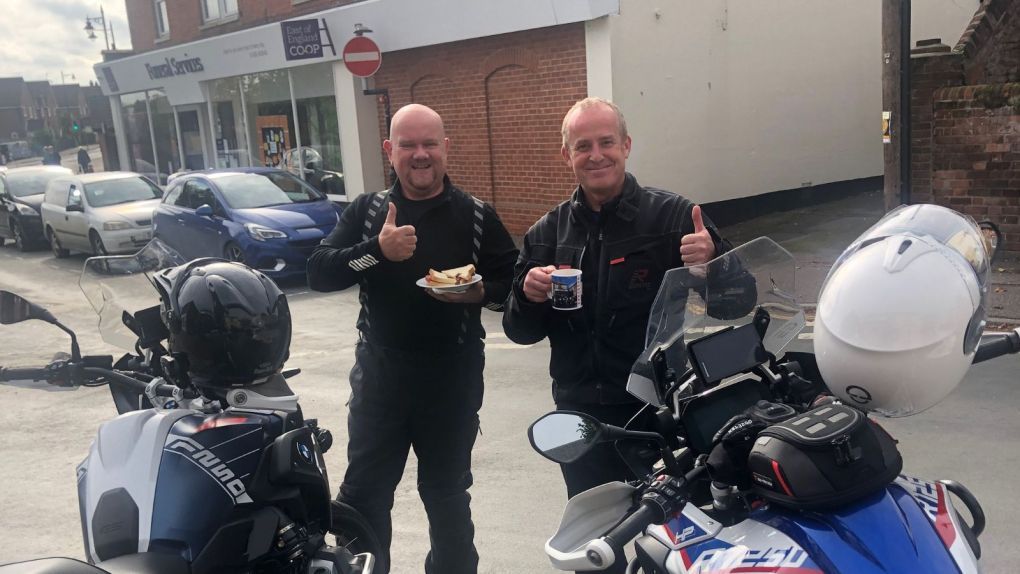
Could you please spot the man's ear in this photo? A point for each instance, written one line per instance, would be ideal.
(626, 147)
(446, 145)
(565, 152)
(387, 146)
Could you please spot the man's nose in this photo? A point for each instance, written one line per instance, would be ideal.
(595, 155)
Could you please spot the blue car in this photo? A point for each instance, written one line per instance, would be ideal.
(263, 217)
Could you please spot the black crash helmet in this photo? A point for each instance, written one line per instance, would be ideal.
(231, 321)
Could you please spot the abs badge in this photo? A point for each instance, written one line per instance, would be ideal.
(305, 452)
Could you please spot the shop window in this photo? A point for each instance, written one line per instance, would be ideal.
(319, 129)
(162, 24)
(141, 158)
(270, 117)
(230, 142)
(165, 129)
(215, 10)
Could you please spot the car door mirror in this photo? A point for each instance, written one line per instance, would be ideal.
(204, 210)
(75, 207)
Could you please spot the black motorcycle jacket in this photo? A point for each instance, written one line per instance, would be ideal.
(395, 312)
(623, 251)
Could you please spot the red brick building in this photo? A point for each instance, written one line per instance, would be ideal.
(966, 120)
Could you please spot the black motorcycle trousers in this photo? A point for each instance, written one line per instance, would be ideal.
(429, 403)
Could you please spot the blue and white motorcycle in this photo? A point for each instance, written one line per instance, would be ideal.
(189, 480)
(764, 469)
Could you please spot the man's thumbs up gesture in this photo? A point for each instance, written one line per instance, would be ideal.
(397, 243)
(697, 247)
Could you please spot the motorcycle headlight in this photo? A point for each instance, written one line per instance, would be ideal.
(262, 233)
(26, 209)
(116, 225)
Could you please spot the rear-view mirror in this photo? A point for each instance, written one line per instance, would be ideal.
(15, 309)
(564, 436)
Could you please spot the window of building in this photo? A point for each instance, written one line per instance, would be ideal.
(213, 10)
(162, 24)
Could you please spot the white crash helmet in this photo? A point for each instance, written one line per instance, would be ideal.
(902, 310)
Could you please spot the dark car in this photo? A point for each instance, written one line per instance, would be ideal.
(21, 195)
(263, 217)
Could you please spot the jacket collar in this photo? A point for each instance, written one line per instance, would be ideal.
(397, 194)
(625, 206)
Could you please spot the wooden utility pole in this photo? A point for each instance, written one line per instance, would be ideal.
(896, 100)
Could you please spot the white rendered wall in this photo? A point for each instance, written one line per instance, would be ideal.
(732, 98)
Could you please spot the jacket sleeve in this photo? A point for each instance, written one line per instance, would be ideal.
(496, 260)
(525, 322)
(343, 257)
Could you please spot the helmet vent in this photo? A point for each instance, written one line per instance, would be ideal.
(904, 246)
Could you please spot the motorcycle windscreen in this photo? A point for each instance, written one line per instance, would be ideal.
(696, 301)
(116, 284)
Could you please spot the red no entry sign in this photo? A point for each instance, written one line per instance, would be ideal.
(362, 56)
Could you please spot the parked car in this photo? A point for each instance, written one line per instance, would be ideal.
(99, 213)
(21, 195)
(327, 181)
(263, 217)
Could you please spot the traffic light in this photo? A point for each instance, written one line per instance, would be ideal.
(74, 126)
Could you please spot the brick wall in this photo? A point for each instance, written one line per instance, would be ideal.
(185, 19)
(966, 120)
(975, 160)
(502, 99)
(991, 43)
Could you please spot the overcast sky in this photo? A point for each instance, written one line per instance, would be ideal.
(39, 39)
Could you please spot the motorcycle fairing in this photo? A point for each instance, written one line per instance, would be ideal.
(937, 505)
(124, 456)
(884, 533)
(689, 527)
(203, 476)
(749, 546)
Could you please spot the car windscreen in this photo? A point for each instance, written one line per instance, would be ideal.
(124, 190)
(248, 190)
(26, 183)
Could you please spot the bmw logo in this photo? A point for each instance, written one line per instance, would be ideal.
(860, 395)
(304, 451)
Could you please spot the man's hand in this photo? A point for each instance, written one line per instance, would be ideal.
(697, 248)
(397, 243)
(538, 283)
(474, 294)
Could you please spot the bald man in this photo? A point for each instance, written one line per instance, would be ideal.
(417, 376)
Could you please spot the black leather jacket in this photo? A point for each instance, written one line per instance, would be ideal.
(623, 252)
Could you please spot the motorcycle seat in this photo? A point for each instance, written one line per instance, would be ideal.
(50, 566)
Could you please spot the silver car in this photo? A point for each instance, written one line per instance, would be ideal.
(99, 213)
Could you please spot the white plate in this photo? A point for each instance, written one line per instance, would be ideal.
(449, 288)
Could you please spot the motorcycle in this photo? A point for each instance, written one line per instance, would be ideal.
(186, 479)
(740, 483)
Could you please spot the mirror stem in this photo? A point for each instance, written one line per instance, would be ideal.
(75, 350)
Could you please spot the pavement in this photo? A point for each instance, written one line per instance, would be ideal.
(68, 159)
(817, 234)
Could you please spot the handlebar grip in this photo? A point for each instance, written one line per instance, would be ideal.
(164, 390)
(998, 346)
(33, 374)
(632, 526)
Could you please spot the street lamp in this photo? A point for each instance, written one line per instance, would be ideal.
(101, 20)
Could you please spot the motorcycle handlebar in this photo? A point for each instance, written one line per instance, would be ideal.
(163, 390)
(647, 513)
(998, 346)
(31, 374)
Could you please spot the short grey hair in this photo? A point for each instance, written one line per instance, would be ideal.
(588, 103)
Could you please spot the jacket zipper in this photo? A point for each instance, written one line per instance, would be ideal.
(600, 283)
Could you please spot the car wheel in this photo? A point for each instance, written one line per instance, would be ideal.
(97, 243)
(19, 236)
(58, 251)
(233, 252)
(2, 240)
